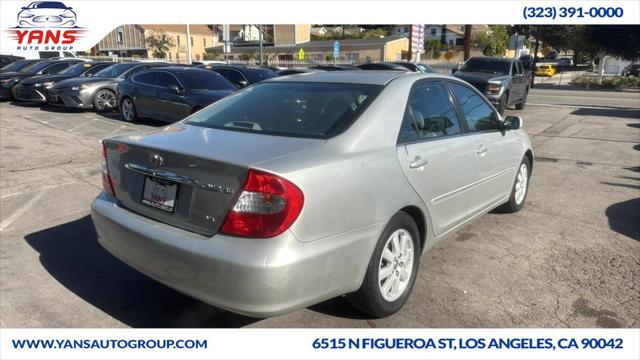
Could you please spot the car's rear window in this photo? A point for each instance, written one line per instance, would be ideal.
(316, 110)
(204, 80)
(257, 75)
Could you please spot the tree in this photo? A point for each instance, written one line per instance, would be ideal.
(615, 40)
(434, 48)
(159, 43)
(494, 42)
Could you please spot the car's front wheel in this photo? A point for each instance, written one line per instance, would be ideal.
(128, 110)
(104, 100)
(523, 102)
(502, 103)
(392, 269)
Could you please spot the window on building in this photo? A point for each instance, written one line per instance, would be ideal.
(433, 31)
(406, 29)
(285, 57)
(169, 56)
(192, 41)
(204, 42)
(178, 40)
(177, 56)
(450, 41)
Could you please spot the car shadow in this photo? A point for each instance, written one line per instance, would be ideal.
(71, 254)
(625, 113)
(624, 218)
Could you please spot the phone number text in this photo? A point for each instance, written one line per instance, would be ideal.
(553, 12)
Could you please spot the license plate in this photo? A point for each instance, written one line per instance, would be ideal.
(160, 194)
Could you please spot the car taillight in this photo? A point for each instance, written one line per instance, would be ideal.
(106, 180)
(267, 206)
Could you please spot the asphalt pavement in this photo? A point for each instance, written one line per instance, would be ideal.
(571, 258)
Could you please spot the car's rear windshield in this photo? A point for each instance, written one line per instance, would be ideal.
(257, 75)
(492, 66)
(204, 80)
(116, 70)
(298, 109)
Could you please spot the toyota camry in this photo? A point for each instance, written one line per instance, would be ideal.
(302, 188)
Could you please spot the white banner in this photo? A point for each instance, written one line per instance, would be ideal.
(94, 19)
(283, 344)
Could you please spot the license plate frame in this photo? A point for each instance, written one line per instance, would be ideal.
(159, 194)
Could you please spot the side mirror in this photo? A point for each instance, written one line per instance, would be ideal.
(453, 71)
(243, 83)
(512, 123)
(174, 88)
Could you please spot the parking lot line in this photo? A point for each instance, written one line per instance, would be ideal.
(571, 106)
(24, 208)
(35, 190)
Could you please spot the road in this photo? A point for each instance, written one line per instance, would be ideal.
(569, 259)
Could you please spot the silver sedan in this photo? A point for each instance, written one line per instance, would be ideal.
(306, 187)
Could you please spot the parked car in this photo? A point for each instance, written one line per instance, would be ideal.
(565, 62)
(46, 67)
(383, 66)
(545, 70)
(17, 65)
(335, 67)
(9, 59)
(241, 75)
(415, 67)
(294, 71)
(300, 189)
(37, 88)
(47, 14)
(170, 93)
(99, 91)
(631, 70)
(503, 81)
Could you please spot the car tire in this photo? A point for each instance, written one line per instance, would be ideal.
(105, 100)
(520, 188)
(396, 257)
(128, 110)
(523, 102)
(502, 103)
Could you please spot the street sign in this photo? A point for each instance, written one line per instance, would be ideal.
(336, 49)
(301, 55)
(417, 39)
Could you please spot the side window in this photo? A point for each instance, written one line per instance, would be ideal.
(165, 80)
(514, 69)
(54, 69)
(223, 72)
(135, 70)
(519, 67)
(430, 113)
(148, 78)
(235, 77)
(94, 69)
(478, 114)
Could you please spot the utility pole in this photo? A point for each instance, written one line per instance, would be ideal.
(467, 41)
(225, 40)
(188, 45)
(535, 55)
(261, 50)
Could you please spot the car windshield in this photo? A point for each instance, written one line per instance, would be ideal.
(16, 65)
(257, 75)
(204, 80)
(426, 68)
(114, 71)
(35, 67)
(492, 66)
(47, 5)
(76, 70)
(313, 110)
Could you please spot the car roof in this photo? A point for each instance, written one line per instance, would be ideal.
(373, 77)
(176, 69)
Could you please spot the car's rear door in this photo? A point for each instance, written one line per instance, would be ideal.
(436, 155)
(495, 149)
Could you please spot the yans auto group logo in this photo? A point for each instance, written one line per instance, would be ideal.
(46, 25)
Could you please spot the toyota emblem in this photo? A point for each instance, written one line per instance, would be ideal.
(156, 160)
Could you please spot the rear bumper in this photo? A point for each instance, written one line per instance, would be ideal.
(255, 277)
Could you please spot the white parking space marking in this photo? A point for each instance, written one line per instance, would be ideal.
(84, 123)
(37, 190)
(571, 106)
(24, 208)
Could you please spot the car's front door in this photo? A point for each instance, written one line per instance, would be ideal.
(170, 98)
(144, 93)
(495, 149)
(436, 155)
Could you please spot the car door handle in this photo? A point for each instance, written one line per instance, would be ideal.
(481, 150)
(418, 162)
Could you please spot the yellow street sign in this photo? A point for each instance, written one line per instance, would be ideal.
(301, 54)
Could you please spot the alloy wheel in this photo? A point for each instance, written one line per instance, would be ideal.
(396, 265)
(105, 100)
(521, 183)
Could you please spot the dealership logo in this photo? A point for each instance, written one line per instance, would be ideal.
(46, 25)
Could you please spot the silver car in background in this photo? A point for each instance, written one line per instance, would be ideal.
(303, 188)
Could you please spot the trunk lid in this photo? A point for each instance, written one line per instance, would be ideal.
(209, 167)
